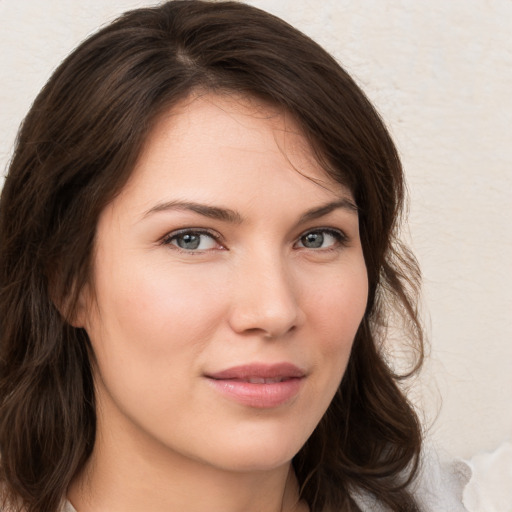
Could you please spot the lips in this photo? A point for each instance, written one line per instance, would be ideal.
(259, 385)
(259, 371)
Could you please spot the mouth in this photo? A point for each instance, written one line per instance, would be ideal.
(261, 380)
(259, 386)
(258, 373)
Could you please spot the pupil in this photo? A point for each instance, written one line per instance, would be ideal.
(189, 241)
(313, 240)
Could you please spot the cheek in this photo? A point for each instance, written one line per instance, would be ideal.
(338, 310)
(148, 332)
(339, 305)
(159, 308)
(149, 335)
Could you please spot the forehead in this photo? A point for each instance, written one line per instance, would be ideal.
(222, 143)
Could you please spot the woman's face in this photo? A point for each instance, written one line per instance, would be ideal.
(228, 285)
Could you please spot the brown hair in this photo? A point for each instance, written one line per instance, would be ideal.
(75, 151)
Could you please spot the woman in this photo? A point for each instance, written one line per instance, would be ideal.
(198, 266)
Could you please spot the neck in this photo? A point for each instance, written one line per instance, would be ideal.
(123, 475)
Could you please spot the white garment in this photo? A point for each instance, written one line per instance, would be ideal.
(437, 488)
(481, 484)
(490, 488)
(68, 507)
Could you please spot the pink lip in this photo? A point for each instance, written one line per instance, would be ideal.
(279, 384)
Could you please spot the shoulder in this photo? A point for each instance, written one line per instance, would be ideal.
(489, 487)
(438, 486)
(457, 485)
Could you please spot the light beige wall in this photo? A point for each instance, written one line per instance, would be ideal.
(441, 74)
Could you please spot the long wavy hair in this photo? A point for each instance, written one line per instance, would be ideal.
(75, 151)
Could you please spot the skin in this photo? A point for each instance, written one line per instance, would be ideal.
(160, 317)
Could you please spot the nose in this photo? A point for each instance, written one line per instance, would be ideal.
(265, 298)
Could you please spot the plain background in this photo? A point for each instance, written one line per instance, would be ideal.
(440, 73)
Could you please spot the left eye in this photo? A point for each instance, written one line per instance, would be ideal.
(192, 241)
(320, 239)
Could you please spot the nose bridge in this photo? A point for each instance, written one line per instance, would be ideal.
(266, 298)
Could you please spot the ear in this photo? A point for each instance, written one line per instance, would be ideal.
(79, 311)
(72, 305)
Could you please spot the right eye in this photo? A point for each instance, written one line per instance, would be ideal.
(192, 240)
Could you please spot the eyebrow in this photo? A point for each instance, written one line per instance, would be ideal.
(315, 213)
(232, 216)
(213, 212)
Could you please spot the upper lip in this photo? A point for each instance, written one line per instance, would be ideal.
(260, 371)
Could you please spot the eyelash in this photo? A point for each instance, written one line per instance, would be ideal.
(340, 237)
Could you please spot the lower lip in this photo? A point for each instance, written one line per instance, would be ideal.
(260, 396)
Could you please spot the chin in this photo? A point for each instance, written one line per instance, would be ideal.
(255, 461)
(258, 452)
